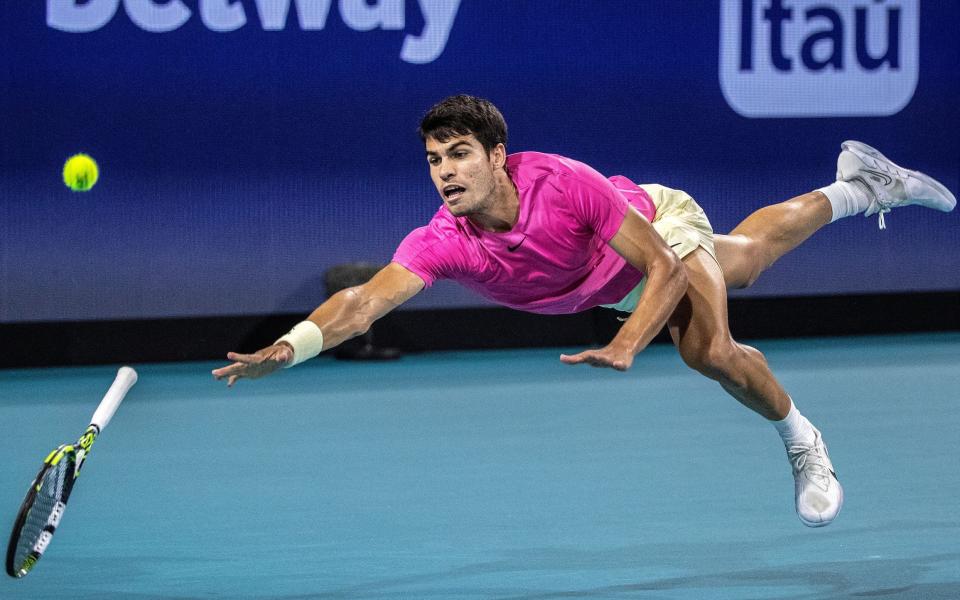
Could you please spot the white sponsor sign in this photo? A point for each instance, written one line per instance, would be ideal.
(161, 16)
(819, 58)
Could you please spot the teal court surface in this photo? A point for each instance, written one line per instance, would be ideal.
(498, 474)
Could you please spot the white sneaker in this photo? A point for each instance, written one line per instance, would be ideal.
(892, 185)
(819, 495)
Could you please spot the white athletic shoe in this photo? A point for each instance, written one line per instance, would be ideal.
(819, 495)
(892, 185)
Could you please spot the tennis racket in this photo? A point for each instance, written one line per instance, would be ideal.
(47, 497)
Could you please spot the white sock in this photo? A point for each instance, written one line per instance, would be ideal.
(795, 428)
(847, 198)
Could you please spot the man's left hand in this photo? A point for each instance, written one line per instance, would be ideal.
(608, 356)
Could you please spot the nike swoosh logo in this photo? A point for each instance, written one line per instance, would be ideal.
(512, 248)
(879, 177)
(675, 245)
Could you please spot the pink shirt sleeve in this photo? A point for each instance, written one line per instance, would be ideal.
(596, 202)
(429, 254)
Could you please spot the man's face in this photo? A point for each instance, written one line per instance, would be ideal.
(463, 173)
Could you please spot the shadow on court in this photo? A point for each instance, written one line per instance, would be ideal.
(873, 577)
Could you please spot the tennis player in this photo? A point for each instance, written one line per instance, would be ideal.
(547, 234)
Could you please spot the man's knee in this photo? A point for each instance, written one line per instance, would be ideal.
(717, 359)
(753, 257)
(741, 257)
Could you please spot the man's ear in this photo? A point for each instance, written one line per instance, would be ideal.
(498, 156)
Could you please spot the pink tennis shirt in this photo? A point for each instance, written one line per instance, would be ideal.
(556, 258)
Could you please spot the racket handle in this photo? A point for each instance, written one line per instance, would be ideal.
(126, 377)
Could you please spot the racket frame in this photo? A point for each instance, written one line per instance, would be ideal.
(75, 454)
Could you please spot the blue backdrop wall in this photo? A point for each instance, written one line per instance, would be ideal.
(246, 146)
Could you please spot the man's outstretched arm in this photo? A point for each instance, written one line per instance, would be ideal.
(640, 244)
(348, 313)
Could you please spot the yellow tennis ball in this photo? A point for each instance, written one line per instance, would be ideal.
(80, 172)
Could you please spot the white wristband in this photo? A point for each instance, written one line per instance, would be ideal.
(306, 340)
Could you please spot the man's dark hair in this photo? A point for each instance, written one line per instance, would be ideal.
(463, 115)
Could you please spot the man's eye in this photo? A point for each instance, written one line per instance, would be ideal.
(460, 154)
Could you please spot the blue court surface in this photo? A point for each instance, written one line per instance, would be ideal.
(499, 474)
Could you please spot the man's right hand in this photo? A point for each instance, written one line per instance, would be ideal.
(252, 366)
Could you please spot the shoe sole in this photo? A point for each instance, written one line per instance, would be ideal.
(861, 148)
(824, 523)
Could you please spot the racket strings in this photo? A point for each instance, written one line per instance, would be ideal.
(45, 513)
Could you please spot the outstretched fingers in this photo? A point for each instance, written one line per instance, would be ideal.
(595, 358)
(572, 359)
(244, 358)
(238, 369)
(252, 366)
(230, 372)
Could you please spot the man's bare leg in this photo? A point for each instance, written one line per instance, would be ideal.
(867, 182)
(700, 330)
(701, 333)
(767, 234)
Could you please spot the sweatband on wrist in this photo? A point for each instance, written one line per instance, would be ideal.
(306, 340)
